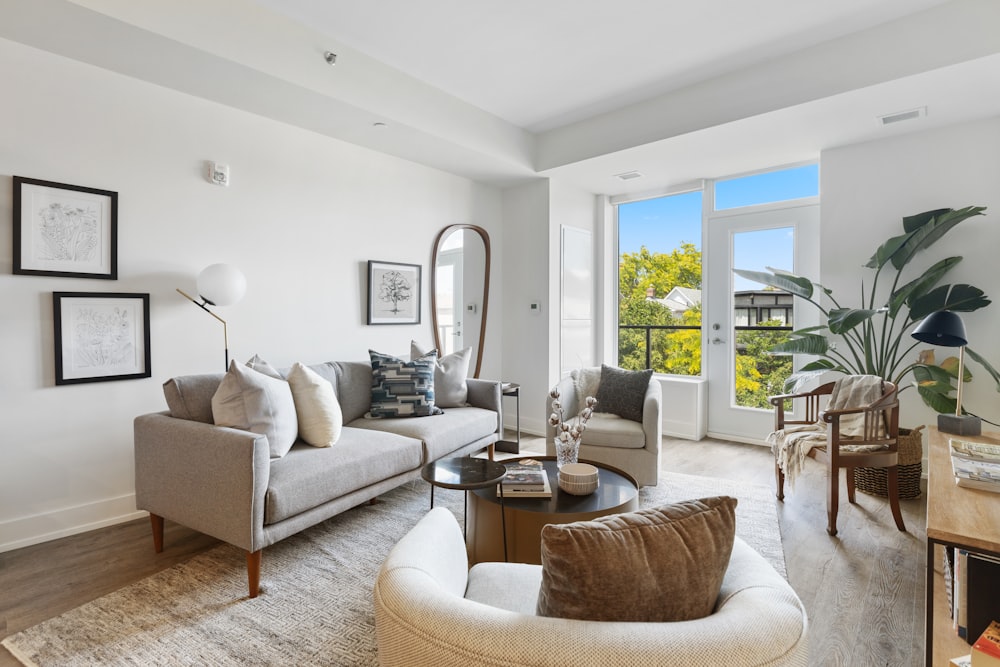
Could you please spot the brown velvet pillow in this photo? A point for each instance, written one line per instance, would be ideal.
(654, 565)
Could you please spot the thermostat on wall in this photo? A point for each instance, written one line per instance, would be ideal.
(218, 173)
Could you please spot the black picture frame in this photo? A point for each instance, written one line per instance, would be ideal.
(64, 230)
(101, 336)
(393, 293)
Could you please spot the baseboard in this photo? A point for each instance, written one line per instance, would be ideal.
(38, 528)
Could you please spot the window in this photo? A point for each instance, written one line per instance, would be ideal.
(660, 270)
(659, 284)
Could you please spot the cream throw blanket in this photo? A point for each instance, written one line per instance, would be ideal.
(792, 445)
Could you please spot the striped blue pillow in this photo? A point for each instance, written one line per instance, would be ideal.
(403, 388)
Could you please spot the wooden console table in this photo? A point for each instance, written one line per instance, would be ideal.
(956, 517)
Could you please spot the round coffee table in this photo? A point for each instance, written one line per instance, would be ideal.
(524, 517)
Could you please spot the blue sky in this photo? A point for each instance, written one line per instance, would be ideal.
(663, 224)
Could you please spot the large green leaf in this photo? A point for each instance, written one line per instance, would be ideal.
(842, 320)
(914, 222)
(820, 365)
(985, 364)
(937, 401)
(960, 298)
(885, 251)
(794, 284)
(927, 233)
(808, 344)
(917, 288)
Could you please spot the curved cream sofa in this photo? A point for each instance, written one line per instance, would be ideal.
(430, 609)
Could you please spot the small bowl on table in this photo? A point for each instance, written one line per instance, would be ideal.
(578, 479)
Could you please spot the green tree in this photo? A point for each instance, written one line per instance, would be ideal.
(760, 374)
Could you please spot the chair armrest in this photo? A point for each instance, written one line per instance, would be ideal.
(209, 478)
(652, 415)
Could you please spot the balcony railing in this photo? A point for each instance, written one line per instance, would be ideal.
(650, 328)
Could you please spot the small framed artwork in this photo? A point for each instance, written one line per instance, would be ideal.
(100, 336)
(64, 230)
(393, 293)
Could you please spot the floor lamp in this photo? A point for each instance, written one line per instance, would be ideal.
(219, 285)
(945, 328)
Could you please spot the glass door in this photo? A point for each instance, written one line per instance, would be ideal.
(745, 319)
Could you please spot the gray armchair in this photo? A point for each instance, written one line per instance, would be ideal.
(625, 444)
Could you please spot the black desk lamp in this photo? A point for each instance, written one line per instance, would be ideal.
(945, 328)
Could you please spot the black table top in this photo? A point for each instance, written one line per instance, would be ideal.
(614, 489)
(463, 473)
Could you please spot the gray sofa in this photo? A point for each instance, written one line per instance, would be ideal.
(222, 481)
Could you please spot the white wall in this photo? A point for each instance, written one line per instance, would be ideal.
(530, 349)
(302, 216)
(867, 189)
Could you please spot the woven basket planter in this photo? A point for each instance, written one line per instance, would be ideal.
(911, 451)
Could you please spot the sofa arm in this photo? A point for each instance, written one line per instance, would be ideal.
(486, 394)
(209, 478)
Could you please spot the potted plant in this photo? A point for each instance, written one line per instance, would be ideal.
(873, 338)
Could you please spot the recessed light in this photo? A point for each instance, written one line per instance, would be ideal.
(330, 57)
(628, 175)
(901, 116)
(379, 124)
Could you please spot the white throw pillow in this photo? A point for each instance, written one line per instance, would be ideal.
(261, 366)
(320, 417)
(249, 400)
(450, 374)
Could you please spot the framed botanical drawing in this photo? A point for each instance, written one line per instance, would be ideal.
(393, 293)
(64, 230)
(100, 336)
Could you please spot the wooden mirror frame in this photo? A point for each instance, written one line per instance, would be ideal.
(438, 242)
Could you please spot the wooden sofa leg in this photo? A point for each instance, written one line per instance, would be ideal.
(157, 523)
(253, 571)
(779, 482)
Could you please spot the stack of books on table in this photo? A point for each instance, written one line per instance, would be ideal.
(525, 479)
(976, 464)
(985, 651)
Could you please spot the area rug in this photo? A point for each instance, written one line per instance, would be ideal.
(315, 606)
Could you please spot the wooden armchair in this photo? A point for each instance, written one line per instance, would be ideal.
(874, 446)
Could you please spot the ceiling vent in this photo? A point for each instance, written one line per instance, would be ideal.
(901, 116)
(628, 175)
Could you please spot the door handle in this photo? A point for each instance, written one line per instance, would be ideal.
(717, 341)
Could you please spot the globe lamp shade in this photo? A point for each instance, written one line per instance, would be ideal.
(221, 284)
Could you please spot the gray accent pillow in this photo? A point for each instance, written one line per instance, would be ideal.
(659, 564)
(450, 373)
(249, 400)
(622, 392)
(402, 388)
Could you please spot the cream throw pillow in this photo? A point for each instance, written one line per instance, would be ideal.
(320, 417)
(249, 400)
(450, 374)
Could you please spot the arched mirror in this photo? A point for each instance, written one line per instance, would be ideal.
(460, 290)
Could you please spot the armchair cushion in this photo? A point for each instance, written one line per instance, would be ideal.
(249, 400)
(622, 392)
(654, 565)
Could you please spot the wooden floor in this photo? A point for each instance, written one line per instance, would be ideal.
(864, 589)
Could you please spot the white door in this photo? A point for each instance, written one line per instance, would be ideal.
(450, 298)
(750, 240)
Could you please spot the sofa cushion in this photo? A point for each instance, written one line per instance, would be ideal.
(402, 388)
(622, 392)
(450, 374)
(608, 430)
(444, 434)
(319, 416)
(190, 396)
(653, 565)
(307, 477)
(510, 586)
(249, 400)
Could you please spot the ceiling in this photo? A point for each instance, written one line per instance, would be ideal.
(577, 90)
(543, 64)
